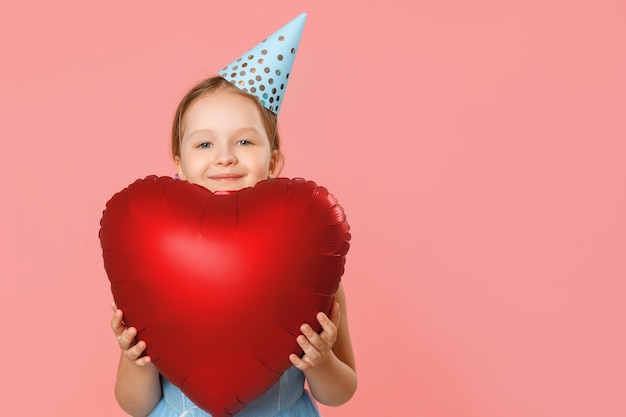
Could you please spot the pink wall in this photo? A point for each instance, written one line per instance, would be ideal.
(477, 147)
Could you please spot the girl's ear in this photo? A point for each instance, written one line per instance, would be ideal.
(274, 162)
(179, 170)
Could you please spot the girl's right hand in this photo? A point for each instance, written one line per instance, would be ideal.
(126, 337)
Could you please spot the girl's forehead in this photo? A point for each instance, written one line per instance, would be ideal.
(222, 111)
(224, 103)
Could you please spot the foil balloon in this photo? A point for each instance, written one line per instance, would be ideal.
(219, 284)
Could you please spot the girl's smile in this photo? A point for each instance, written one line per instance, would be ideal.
(226, 177)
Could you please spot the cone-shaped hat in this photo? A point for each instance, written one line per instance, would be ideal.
(264, 70)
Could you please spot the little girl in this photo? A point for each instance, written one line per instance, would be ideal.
(224, 138)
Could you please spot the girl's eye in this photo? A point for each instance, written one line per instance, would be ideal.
(244, 142)
(205, 145)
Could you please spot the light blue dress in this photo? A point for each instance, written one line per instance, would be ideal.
(287, 398)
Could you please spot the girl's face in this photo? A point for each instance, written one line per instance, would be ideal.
(224, 146)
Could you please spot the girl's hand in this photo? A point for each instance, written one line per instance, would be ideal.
(317, 347)
(126, 337)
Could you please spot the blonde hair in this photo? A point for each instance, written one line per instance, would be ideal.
(209, 85)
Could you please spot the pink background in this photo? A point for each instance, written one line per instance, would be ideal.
(477, 147)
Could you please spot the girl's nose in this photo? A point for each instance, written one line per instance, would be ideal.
(225, 157)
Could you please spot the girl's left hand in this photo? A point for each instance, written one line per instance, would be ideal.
(317, 347)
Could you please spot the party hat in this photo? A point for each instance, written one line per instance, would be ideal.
(264, 70)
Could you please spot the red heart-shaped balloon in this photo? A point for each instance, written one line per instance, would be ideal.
(219, 284)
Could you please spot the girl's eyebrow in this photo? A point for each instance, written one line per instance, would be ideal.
(247, 129)
(241, 130)
(195, 132)
(185, 136)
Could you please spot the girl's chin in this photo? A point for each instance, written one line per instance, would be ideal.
(227, 187)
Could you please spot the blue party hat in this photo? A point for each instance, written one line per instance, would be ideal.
(264, 70)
